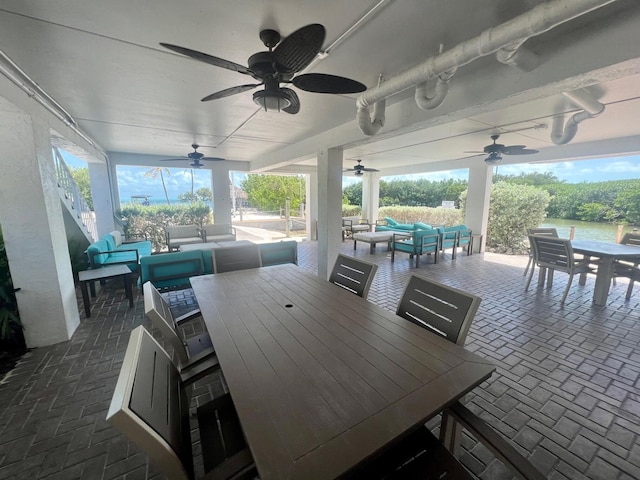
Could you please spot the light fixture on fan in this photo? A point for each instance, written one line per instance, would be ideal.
(494, 158)
(271, 101)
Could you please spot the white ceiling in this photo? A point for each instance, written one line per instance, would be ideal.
(103, 63)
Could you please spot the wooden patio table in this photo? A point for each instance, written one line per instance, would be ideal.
(323, 379)
(608, 253)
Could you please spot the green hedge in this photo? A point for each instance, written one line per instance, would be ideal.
(150, 221)
(428, 215)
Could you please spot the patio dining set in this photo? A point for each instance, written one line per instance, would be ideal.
(321, 383)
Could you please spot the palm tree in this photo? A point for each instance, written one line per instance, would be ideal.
(154, 172)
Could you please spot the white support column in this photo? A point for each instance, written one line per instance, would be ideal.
(329, 208)
(370, 196)
(101, 194)
(311, 202)
(33, 229)
(221, 193)
(477, 206)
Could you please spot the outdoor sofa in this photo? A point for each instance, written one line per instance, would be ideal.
(171, 271)
(110, 250)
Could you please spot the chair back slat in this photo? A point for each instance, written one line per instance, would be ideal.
(236, 258)
(353, 275)
(278, 253)
(444, 310)
(151, 408)
(158, 311)
(549, 232)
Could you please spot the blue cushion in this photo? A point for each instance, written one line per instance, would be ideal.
(111, 242)
(171, 264)
(390, 221)
(144, 247)
(96, 247)
(403, 226)
(421, 226)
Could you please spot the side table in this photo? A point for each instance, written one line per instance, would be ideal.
(89, 276)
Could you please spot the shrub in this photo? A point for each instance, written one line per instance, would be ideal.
(351, 210)
(150, 221)
(11, 335)
(513, 210)
(429, 215)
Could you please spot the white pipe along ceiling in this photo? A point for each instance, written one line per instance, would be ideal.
(508, 36)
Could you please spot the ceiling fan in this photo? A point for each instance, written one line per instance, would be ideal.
(195, 157)
(279, 64)
(496, 150)
(359, 169)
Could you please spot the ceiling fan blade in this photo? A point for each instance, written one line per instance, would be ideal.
(297, 50)
(369, 170)
(325, 83)
(213, 159)
(227, 92)
(210, 59)
(293, 98)
(518, 150)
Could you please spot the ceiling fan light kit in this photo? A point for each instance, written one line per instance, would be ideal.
(280, 64)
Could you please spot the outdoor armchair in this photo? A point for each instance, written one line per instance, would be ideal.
(182, 235)
(416, 243)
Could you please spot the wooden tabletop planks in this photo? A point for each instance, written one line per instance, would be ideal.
(322, 378)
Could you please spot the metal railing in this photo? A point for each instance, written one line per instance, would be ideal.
(73, 197)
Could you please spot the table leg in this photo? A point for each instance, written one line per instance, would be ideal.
(354, 243)
(85, 299)
(603, 281)
(127, 289)
(372, 247)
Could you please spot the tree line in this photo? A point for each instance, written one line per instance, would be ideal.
(611, 201)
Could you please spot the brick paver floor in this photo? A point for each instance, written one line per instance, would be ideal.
(566, 391)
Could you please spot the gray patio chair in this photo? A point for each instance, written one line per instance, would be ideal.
(236, 258)
(556, 254)
(150, 405)
(353, 275)
(439, 308)
(629, 270)
(278, 253)
(550, 232)
(195, 356)
(182, 235)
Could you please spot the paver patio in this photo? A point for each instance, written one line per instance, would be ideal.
(566, 391)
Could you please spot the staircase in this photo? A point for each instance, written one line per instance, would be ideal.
(75, 206)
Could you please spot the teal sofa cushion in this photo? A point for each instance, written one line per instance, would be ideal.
(421, 226)
(172, 270)
(93, 252)
(390, 221)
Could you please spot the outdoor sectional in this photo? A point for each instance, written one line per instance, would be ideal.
(110, 250)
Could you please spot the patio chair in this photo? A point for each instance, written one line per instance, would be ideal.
(194, 357)
(351, 225)
(550, 232)
(182, 235)
(353, 275)
(629, 270)
(441, 309)
(150, 405)
(556, 254)
(278, 253)
(236, 258)
(416, 243)
(420, 455)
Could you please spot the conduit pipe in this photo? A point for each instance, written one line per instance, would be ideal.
(20, 78)
(561, 133)
(515, 55)
(368, 125)
(441, 90)
(538, 20)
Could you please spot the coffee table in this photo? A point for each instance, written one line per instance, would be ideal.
(372, 238)
(89, 276)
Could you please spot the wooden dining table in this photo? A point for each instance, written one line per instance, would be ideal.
(607, 253)
(322, 379)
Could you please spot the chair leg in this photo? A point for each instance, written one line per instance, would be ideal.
(629, 290)
(533, 267)
(566, 290)
(528, 265)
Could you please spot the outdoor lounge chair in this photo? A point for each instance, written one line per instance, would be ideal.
(150, 405)
(353, 275)
(553, 254)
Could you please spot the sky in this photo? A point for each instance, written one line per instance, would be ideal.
(131, 180)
